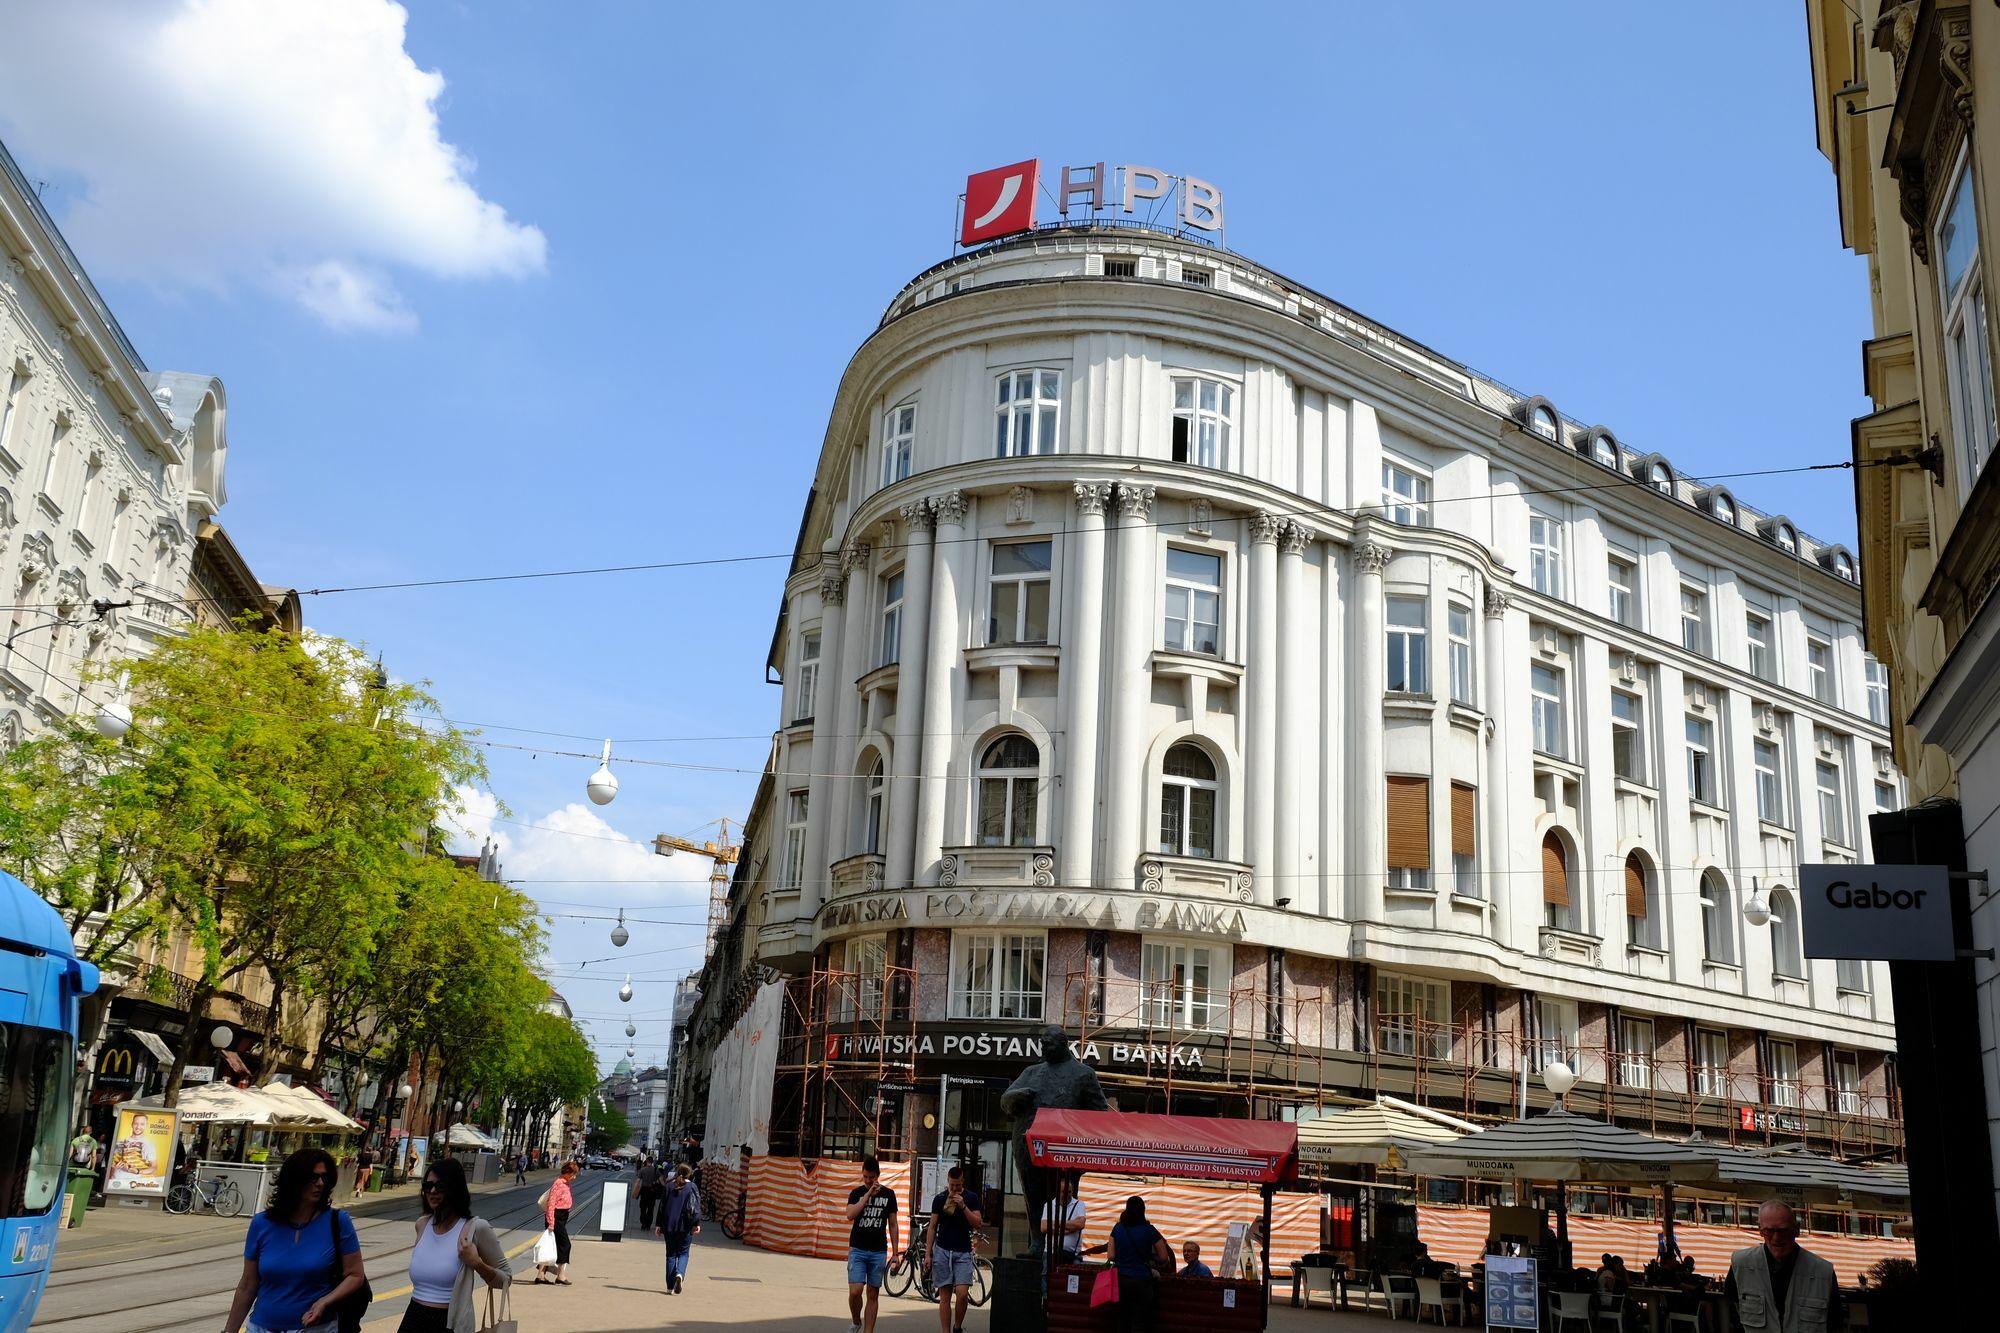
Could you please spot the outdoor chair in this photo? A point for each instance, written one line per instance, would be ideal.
(1432, 1295)
(1317, 1278)
(1569, 1307)
(1611, 1311)
(1400, 1289)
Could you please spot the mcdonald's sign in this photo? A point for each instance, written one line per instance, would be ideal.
(117, 1066)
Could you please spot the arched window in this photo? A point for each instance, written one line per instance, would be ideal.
(1843, 566)
(874, 802)
(1787, 540)
(1787, 959)
(1642, 914)
(1605, 450)
(1542, 421)
(1557, 910)
(1187, 802)
(1008, 778)
(1716, 933)
(1723, 508)
(1661, 478)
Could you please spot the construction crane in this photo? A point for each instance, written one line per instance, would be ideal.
(724, 853)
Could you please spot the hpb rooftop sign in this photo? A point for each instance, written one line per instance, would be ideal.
(1002, 201)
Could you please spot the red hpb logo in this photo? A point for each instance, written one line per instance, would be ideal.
(999, 202)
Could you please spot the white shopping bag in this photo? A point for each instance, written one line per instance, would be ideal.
(545, 1248)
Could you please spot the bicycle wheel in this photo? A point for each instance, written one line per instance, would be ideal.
(732, 1222)
(900, 1274)
(925, 1288)
(179, 1199)
(982, 1279)
(228, 1200)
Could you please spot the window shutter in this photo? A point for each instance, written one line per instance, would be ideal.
(1464, 824)
(1409, 822)
(1635, 887)
(1555, 872)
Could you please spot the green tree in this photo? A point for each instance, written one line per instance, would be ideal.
(609, 1129)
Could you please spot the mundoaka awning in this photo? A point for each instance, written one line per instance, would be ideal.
(1800, 1177)
(1367, 1135)
(1262, 1152)
(1560, 1145)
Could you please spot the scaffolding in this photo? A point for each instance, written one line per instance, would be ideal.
(845, 1036)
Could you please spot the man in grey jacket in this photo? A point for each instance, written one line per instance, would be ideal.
(1778, 1287)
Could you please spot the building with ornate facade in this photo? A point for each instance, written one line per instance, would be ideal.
(1905, 96)
(1292, 714)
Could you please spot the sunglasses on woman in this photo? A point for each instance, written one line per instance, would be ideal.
(322, 1177)
(430, 1185)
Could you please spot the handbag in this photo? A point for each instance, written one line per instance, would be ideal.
(352, 1308)
(545, 1248)
(543, 1202)
(504, 1322)
(1104, 1288)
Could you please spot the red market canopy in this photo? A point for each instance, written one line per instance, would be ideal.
(1257, 1152)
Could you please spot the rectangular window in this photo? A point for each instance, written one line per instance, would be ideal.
(1878, 693)
(1557, 1034)
(1968, 364)
(1846, 1083)
(1194, 602)
(1694, 620)
(1020, 593)
(1409, 816)
(1885, 796)
(804, 702)
(1184, 986)
(1121, 268)
(1623, 576)
(1458, 629)
(1628, 736)
(1465, 840)
(859, 965)
(1850, 974)
(899, 435)
(1546, 685)
(1026, 412)
(1635, 1052)
(1406, 495)
(1701, 760)
(1770, 782)
(892, 619)
(1412, 1016)
(1819, 669)
(1832, 802)
(1203, 413)
(1711, 1063)
(1409, 647)
(1758, 630)
(1784, 1073)
(997, 975)
(795, 839)
(1545, 555)
(16, 382)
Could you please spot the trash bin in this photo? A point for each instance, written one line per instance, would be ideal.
(76, 1199)
(376, 1179)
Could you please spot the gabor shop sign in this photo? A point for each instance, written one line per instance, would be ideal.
(985, 1044)
(1899, 912)
(1001, 201)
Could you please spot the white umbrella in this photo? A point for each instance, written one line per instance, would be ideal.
(1368, 1135)
(308, 1108)
(1563, 1146)
(221, 1104)
(1802, 1177)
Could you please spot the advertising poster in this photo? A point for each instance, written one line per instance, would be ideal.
(418, 1156)
(142, 1151)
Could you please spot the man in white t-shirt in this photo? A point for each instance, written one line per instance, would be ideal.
(1065, 1219)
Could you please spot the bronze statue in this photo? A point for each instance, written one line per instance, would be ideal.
(1059, 1082)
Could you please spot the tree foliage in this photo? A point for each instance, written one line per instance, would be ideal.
(609, 1129)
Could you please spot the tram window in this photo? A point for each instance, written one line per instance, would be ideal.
(34, 1118)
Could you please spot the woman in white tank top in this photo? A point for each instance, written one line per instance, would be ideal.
(452, 1246)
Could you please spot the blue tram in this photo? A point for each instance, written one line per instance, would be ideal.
(41, 981)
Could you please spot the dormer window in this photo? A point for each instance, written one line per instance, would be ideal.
(1787, 540)
(1661, 478)
(1843, 566)
(1542, 421)
(1604, 449)
(1723, 508)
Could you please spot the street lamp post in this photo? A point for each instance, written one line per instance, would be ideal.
(1559, 1078)
(396, 1104)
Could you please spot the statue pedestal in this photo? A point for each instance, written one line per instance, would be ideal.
(1016, 1306)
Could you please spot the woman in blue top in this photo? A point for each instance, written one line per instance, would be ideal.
(293, 1250)
(1136, 1248)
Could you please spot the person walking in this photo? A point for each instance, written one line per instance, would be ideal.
(1137, 1247)
(680, 1223)
(300, 1256)
(520, 1168)
(953, 1219)
(650, 1189)
(364, 1167)
(453, 1247)
(1779, 1286)
(555, 1212)
(871, 1207)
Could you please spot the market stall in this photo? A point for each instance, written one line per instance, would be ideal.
(1264, 1153)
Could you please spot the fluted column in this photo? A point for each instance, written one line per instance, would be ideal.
(1260, 758)
(948, 576)
(1295, 629)
(1083, 658)
(900, 845)
(1370, 866)
(1125, 761)
(827, 800)
(1496, 850)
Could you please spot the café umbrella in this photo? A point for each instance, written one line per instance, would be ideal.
(1377, 1135)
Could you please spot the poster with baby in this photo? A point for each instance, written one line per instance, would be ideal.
(142, 1151)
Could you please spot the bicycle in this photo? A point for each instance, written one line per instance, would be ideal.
(912, 1265)
(220, 1196)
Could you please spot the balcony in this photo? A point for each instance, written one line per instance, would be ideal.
(858, 874)
(1196, 877)
(998, 867)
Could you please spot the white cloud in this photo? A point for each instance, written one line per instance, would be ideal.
(291, 145)
(572, 853)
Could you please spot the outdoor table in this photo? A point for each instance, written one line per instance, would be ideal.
(1339, 1271)
(1715, 1312)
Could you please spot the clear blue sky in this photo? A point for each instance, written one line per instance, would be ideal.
(1618, 206)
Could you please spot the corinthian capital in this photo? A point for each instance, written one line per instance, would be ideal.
(1295, 538)
(1135, 502)
(917, 516)
(1265, 527)
(949, 508)
(854, 556)
(1092, 496)
(832, 590)
(1496, 600)
(1370, 558)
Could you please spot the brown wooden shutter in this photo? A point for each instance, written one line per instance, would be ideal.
(1635, 887)
(1409, 822)
(1555, 872)
(1464, 824)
